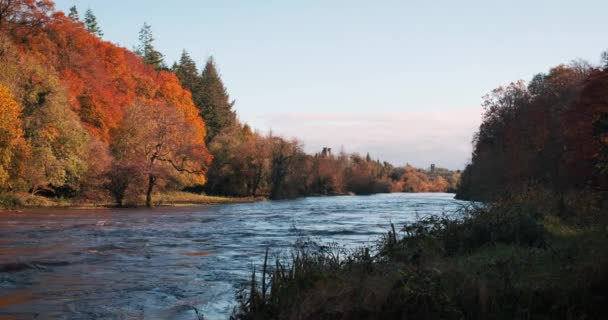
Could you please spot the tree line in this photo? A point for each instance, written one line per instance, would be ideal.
(549, 133)
(248, 163)
(84, 118)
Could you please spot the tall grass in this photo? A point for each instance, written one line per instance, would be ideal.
(512, 259)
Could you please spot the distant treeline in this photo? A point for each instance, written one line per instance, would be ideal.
(248, 163)
(540, 166)
(551, 133)
(82, 118)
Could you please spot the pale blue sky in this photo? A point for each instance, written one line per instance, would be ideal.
(420, 61)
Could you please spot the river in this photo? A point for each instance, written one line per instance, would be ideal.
(160, 263)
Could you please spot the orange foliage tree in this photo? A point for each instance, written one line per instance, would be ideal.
(160, 144)
(69, 79)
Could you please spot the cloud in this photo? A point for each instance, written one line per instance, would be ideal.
(418, 138)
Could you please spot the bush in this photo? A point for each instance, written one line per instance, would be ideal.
(511, 259)
(492, 225)
(10, 201)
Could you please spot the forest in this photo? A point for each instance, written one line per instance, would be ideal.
(549, 133)
(85, 120)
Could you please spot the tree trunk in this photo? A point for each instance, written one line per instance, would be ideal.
(119, 200)
(151, 181)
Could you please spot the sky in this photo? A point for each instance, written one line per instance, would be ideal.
(402, 80)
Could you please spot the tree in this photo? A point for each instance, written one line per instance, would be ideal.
(119, 178)
(27, 14)
(73, 14)
(159, 142)
(74, 90)
(604, 60)
(13, 148)
(59, 146)
(538, 135)
(214, 102)
(285, 165)
(146, 49)
(600, 131)
(187, 73)
(90, 23)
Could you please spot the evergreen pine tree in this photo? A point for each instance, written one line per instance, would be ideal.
(187, 73)
(146, 49)
(73, 15)
(214, 102)
(604, 60)
(90, 22)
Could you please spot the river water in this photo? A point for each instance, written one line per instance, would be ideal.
(160, 263)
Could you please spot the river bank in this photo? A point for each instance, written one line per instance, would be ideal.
(12, 201)
(515, 259)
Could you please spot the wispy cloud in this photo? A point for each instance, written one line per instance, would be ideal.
(418, 138)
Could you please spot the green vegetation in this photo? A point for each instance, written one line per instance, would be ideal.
(90, 21)
(512, 259)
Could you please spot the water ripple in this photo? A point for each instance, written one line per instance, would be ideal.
(163, 263)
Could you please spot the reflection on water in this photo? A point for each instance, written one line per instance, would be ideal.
(163, 263)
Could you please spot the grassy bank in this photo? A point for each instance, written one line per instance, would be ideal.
(513, 259)
(26, 200)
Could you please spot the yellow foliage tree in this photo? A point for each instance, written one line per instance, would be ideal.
(12, 145)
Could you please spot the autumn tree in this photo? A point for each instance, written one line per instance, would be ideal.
(487, 174)
(287, 168)
(90, 23)
(58, 141)
(75, 90)
(257, 162)
(539, 134)
(234, 155)
(159, 142)
(145, 49)
(327, 175)
(584, 124)
(13, 148)
(365, 176)
(600, 131)
(27, 14)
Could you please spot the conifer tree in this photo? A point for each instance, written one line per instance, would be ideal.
(146, 49)
(73, 15)
(90, 22)
(214, 102)
(187, 73)
(604, 60)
